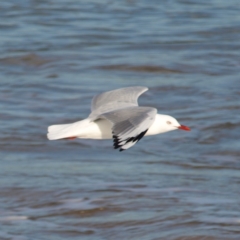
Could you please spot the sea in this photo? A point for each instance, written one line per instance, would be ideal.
(56, 55)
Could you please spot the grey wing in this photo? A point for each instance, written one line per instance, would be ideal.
(116, 99)
(130, 125)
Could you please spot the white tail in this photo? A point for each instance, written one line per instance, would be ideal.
(67, 130)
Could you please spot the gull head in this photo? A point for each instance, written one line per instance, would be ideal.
(170, 123)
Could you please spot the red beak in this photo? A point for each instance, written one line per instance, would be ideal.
(182, 127)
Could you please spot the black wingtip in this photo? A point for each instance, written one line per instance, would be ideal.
(118, 144)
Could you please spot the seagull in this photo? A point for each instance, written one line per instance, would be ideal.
(116, 114)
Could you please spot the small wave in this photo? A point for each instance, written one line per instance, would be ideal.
(226, 125)
(221, 220)
(13, 218)
(31, 59)
(141, 68)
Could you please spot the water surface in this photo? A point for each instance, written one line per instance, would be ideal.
(55, 56)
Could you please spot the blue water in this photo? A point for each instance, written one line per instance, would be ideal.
(55, 56)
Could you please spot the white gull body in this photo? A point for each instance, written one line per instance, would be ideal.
(116, 114)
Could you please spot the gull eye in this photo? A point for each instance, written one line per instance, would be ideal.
(168, 122)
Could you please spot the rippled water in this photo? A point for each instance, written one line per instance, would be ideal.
(55, 55)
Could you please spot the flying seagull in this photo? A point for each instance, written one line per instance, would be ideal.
(116, 114)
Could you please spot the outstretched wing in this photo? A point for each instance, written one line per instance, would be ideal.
(116, 99)
(130, 125)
